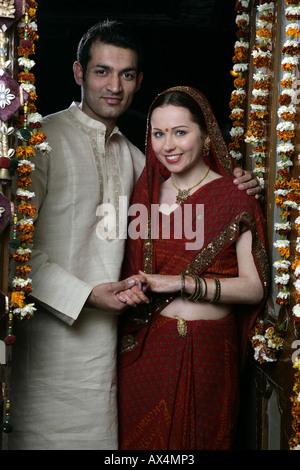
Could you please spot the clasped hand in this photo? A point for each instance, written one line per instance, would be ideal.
(157, 283)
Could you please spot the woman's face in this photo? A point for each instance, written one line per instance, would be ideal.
(176, 139)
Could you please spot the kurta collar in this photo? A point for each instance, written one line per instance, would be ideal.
(87, 121)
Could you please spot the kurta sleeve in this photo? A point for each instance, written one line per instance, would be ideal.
(56, 289)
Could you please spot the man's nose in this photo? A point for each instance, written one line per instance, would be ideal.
(114, 84)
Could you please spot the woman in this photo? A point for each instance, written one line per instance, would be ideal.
(182, 354)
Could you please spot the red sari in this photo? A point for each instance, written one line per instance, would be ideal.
(181, 392)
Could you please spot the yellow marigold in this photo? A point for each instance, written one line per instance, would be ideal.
(287, 67)
(22, 257)
(295, 264)
(284, 251)
(37, 138)
(279, 200)
(23, 270)
(295, 184)
(286, 83)
(288, 116)
(264, 32)
(292, 32)
(286, 135)
(32, 13)
(24, 152)
(17, 299)
(285, 214)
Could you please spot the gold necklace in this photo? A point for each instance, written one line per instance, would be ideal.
(184, 194)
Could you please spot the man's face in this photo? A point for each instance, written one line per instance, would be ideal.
(110, 82)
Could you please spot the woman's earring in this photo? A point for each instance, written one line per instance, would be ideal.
(206, 147)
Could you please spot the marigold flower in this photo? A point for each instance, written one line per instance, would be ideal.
(17, 299)
(286, 135)
(26, 51)
(292, 31)
(27, 209)
(239, 82)
(23, 270)
(22, 257)
(24, 182)
(24, 170)
(26, 77)
(37, 138)
(25, 238)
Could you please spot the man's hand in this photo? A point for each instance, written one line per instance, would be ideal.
(106, 295)
(246, 180)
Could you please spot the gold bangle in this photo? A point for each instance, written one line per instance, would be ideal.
(217, 292)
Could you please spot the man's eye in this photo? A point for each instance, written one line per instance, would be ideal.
(129, 76)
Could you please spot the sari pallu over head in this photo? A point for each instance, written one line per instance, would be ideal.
(220, 232)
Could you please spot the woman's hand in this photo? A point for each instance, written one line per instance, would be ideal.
(160, 283)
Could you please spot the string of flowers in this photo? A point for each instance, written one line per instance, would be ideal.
(267, 341)
(290, 199)
(262, 59)
(30, 138)
(240, 68)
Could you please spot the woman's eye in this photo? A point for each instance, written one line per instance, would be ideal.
(157, 134)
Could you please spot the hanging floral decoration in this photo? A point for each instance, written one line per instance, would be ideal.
(267, 341)
(30, 138)
(288, 198)
(256, 134)
(294, 441)
(240, 68)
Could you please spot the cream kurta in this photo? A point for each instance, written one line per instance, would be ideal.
(64, 362)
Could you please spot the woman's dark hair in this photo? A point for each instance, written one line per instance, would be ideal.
(112, 33)
(178, 98)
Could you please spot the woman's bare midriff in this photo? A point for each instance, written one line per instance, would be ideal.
(183, 308)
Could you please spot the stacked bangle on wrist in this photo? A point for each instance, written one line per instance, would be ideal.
(217, 292)
(182, 287)
(199, 293)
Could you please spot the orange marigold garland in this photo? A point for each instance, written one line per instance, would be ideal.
(240, 69)
(262, 59)
(286, 150)
(30, 138)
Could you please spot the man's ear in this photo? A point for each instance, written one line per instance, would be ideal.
(78, 72)
(139, 81)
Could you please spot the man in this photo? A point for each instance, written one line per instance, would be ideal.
(64, 360)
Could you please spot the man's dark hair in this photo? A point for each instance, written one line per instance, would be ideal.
(112, 33)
